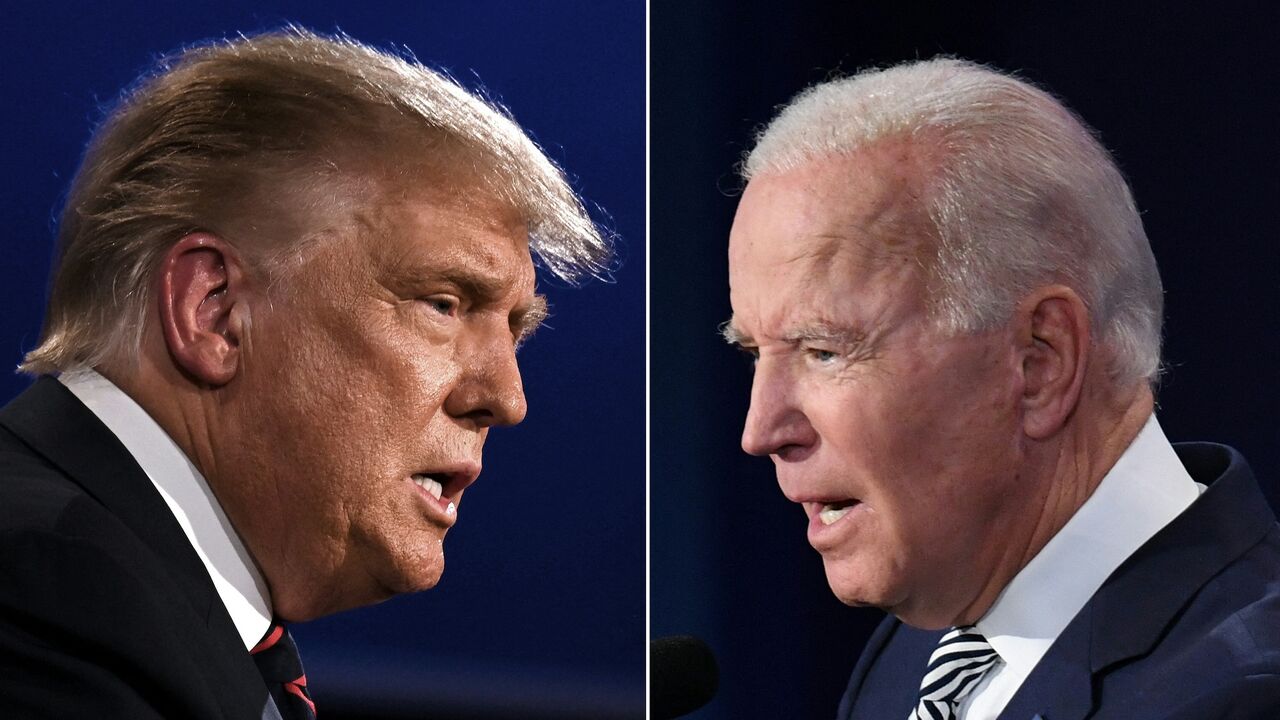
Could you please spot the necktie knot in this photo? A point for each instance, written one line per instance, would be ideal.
(962, 657)
(277, 659)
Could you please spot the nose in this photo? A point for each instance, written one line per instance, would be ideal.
(776, 423)
(489, 391)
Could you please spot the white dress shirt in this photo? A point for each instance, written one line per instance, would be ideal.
(185, 491)
(1146, 489)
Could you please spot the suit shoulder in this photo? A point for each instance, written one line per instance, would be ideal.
(33, 492)
(52, 527)
(1246, 596)
(82, 633)
(1228, 632)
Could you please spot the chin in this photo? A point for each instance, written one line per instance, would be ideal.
(858, 586)
(854, 597)
(422, 578)
(416, 570)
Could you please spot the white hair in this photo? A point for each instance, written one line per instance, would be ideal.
(1021, 193)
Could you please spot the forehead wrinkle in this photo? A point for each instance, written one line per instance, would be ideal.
(890, 221)
(476, 268)
(855, 252)
(448, 209)
(891, 234)
(831, 298)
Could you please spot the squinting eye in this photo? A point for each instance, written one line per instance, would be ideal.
(442, 304)
(822, 356)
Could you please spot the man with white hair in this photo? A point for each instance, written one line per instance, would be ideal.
(293, 274)
(955, 318)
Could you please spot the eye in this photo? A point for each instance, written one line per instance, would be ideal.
(822, 356)
(442, 304)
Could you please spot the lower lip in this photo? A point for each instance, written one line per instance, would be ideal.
(826, 537)
(438, 510)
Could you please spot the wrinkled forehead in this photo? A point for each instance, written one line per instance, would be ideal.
(448, 224)
(414, 236)
(850, 217)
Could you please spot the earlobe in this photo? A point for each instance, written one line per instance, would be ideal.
(1056, 339)
(202, 304)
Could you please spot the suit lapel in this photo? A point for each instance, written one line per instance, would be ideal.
(271, 711)
(887, 678)
(55, 424)
(1061, 686)
(1129, 614)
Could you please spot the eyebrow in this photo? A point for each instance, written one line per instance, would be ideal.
(822, 331)
(731, 334)
(817, 331)
(477, 285)
(525, 321)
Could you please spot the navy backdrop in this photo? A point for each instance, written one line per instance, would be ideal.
(541, 610)
(1187, 100)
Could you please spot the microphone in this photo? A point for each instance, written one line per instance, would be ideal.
(682, 676)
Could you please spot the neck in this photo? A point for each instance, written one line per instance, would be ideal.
(1063, 471)
(185, 412)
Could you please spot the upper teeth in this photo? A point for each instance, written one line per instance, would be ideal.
(431, 486)
(830, 514)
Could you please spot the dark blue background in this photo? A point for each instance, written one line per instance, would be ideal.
(1188, 101)
(541, 610)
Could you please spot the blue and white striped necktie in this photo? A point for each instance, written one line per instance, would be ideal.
(957, 665)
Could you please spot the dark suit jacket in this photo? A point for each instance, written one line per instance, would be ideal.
(1187, 628)
(106, 611)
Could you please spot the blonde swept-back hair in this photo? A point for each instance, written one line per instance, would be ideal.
(1020, 193)
(216, 126)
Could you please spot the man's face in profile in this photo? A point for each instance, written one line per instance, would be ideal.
(369, 386)
(901, 442)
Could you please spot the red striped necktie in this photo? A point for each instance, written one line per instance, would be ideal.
(277, 659)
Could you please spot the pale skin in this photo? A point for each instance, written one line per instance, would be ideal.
(309, 406)
(955, 458)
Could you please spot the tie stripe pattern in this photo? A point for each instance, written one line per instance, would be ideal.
(277, 659)
(962, 657)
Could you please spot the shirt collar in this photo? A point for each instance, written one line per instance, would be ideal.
(235, 576)
(1146, 489)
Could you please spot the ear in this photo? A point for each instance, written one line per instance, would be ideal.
(1053, 330)
(203, 307)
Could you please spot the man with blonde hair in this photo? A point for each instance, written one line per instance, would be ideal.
(955, 318)
(293, 274)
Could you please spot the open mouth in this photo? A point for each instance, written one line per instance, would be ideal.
(444, 487)
(433, 483)
(833, 511)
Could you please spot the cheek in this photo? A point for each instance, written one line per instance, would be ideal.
(926, 441)
(384, 372)
(960, 441)
(426, 378)
(325, 406)
(414, 367)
